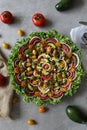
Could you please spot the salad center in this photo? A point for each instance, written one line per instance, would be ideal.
(45, 67)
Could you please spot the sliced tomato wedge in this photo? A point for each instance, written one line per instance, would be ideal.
(53, 40)
(67, 85)
(22, 49)
(16, 62)
(65, 48)
(57, 94)
(43, 97)
(75, 60)
(17, 79)
(45, 77)
(72, 75)
(34, 40)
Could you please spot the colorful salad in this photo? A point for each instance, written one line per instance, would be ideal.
(44, 67)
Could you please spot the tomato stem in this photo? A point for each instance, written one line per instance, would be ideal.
(4, 15)
(38, 17)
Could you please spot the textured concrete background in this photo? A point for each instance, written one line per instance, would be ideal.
(63, 22)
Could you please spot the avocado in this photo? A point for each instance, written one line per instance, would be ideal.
(64, 5)
(76, 115)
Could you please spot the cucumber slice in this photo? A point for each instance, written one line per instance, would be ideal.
(30, 87)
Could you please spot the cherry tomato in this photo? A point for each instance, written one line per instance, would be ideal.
(20, 32)
(6, 17)
(5, 45)
(2, 80)
(31, 122)
(42, 109)
(38, 19)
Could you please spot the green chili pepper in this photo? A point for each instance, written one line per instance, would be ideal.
(76, 115)
(63, 5)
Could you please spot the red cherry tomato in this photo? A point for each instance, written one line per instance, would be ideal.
(6, 17)
(38, 19)
(41, 109)
(2, 80)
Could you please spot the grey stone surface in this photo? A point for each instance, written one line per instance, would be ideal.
(63, 22)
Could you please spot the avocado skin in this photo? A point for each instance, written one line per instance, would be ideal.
(76, 115)
(63, 5)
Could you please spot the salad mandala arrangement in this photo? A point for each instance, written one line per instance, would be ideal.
(45, 67)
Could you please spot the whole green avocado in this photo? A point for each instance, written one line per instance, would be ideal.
(63, 5)
(76, 115)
